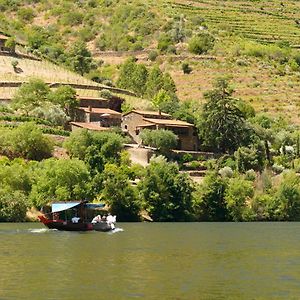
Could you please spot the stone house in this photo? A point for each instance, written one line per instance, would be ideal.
(88, 126)
(114, 103)
(105, 117)
(135, 121)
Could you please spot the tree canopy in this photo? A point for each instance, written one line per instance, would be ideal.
(223, 127)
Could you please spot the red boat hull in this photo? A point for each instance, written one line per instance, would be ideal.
(66, 226)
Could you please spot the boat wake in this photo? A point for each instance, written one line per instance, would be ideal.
(116, 230)
(41, 230)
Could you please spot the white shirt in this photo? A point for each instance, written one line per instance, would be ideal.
(75, 219)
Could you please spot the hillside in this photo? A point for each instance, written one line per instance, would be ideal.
(255, 43)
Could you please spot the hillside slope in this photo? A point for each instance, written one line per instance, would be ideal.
(256, 42)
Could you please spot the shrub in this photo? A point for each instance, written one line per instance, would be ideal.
(28, 141)
(186, 68)
(13, 206)
(163, 140)
(201, 44)
(226, 172)
(152, 55)
(106, 94)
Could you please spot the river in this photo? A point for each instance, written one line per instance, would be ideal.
(151, 261)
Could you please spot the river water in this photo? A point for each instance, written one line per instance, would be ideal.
(151, 261)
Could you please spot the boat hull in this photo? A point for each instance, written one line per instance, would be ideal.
(69, 226)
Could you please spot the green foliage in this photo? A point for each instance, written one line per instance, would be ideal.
(78, 142)
(286, 205)
(163, 101)
(120, 195)
(163, 140)
(201, 43)
(13, 206)
(164, 42)
(11, 44)
(30, 95)
(189, 111)
(209, 198)
(250, 158)
(223, 127)
(26, 14)
(167, 194)
(109, 144)
(133, 76)
(65, 97)
(25, 141)
(238, 193)
(16, 175)
(271, 52)
(153, 55)
(48, 114)
(14, 63)
(80, 58)
(186, 69)
(60, 180)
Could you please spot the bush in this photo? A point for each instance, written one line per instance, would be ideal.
(163, 140)
(106, 94)
(13, 206)
(186, 68)
(201, 44)
(152, 55)
(226, 172)
(27, 141)
(167, 194)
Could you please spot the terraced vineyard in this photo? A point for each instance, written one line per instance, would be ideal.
(261, 21)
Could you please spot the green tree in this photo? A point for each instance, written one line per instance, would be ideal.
(133, 76)
(65, 97)
(13, 205)
(209, 199)
(31, 95)
(223, 127)
(238, 193)
(80, 58)
(250, 158)
(119, 194)
(126, 71)
(60, 180)
(286, 205)
(167, 194)
(155, 82)
(78, 142)
(163, 140)
(108, 144)
(139, 79)
(28, 141)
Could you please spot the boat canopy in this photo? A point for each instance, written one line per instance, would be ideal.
(56, 207)
(61, 206)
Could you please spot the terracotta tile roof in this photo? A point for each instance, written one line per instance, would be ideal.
(3, 37)
(101, 111)
(83, 98)
(168, 122)
(90, 126)
(148, 113)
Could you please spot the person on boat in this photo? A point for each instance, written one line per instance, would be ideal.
(96, 219)
(110, 220)
(75, 219)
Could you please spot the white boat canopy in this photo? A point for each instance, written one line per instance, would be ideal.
(56, 207)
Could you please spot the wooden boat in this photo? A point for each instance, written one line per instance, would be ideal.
(74, 216)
